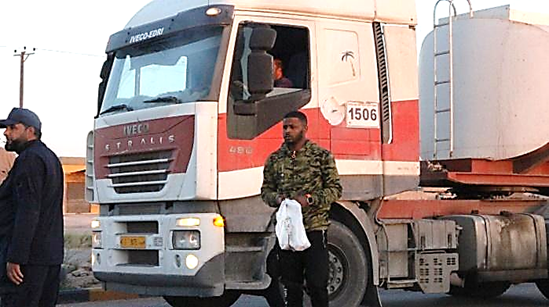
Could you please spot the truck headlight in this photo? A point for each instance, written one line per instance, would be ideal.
(186, 239)
(191, 261)
(188, 222)
(97, 239)
(95, 224)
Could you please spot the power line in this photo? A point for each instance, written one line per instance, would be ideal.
(71, 52)
(65, 52)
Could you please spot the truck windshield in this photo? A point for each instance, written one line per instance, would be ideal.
(177, 69)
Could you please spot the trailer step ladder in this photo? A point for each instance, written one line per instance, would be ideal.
(447, 82)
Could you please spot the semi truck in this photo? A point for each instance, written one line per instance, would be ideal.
(188, 113)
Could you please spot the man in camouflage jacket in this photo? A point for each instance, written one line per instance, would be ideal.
(305, 172)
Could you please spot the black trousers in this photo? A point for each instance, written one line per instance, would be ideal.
(274, 293)
(40, 287)
(311, 266)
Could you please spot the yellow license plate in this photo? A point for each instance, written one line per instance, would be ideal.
(133, 242)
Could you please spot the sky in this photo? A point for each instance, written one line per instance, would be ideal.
(70, 37)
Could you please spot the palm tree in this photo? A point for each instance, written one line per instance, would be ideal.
(345, 57)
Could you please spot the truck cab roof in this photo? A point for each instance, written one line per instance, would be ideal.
(389, 11)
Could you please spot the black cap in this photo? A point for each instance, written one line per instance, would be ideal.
(23, 116)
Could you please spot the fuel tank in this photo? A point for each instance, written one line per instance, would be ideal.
(502, 247)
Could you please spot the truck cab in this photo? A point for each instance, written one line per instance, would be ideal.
(188, 114)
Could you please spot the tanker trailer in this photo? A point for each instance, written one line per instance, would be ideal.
(482, 90)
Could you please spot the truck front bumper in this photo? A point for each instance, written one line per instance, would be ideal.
(208, 281)
(136, 254)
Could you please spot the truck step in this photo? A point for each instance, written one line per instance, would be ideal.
(399, 284)
(248, 285)
(244, 249)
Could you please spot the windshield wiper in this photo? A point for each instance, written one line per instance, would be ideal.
(171, 99)
(117, 107)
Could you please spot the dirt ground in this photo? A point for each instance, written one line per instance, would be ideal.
(77, 271)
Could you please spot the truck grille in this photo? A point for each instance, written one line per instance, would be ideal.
(138, 173)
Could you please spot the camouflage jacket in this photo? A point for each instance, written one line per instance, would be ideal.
(309, 170)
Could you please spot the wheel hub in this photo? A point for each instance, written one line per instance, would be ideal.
(336, 276)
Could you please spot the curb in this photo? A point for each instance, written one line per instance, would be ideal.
(94, 294)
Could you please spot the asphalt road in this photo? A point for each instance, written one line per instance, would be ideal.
(524, 295)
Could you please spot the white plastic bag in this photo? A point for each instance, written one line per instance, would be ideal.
(289, 227)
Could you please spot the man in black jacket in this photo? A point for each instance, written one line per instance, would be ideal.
(31, 215)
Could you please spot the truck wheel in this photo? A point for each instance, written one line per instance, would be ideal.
(543, 286)
(227, 299)
(348, 267)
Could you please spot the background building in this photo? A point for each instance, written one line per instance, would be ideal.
(74, 169)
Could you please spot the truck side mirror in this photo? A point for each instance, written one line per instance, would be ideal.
(260, 63)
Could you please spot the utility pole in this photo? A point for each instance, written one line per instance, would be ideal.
(24, 55)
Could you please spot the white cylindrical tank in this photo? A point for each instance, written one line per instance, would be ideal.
(501, 83)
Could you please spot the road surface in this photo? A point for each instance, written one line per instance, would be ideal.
(524, 295)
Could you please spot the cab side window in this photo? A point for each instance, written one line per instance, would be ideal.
(250, 115)
(291, 61)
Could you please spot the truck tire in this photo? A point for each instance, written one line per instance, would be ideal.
(543, 287)
(227, 299)
(349, 267)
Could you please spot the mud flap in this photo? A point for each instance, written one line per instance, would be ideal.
(371, 298)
